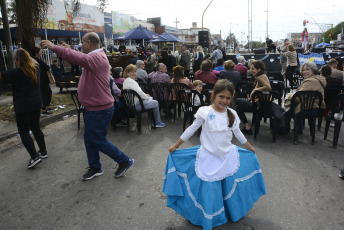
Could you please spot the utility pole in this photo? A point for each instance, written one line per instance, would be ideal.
(204, 12)
(267, 18)
(176, 23)
(249, 34)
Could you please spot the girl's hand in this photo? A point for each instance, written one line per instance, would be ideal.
(252, 149)
(172, 149)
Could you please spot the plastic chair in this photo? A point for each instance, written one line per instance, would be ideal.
(145, 87)
(278, 88)
(307, 100)
(336, 114)
(295, 83)
(246, 89)
(161, 92)
(262, 103)
(129, 96)
(80, 109)
(174, 89)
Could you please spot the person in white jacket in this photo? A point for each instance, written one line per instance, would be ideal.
(130, 83)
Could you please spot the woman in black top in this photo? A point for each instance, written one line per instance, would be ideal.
(27, 103)
(44, 81)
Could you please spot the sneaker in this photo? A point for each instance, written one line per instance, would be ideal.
(247, 131)
(122, 168)
(42, 155)
(92, 172)
(341, 174)
(159, 125)
(121, 123)
(33, 162)
(46, 113)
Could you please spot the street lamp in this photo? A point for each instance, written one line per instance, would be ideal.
(204, 12)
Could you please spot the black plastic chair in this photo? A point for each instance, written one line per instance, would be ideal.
(246, 89)
(278, 88)
(191, 77)
(80, 109)
(129, 96)
(161, 93)
(174, 89)
(306, 100)
(145, 87)
(295, 83)
(262, 104)
(335, 114)
(208, 86)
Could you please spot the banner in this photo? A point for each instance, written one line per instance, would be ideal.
(122, 23)
(60, 17)
(312, 57)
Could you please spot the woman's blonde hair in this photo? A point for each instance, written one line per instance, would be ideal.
(128, 69)
(26, 64)
(229, 64)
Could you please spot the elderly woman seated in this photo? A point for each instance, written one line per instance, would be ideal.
(130, 83)
(312, 82)
(141, 72)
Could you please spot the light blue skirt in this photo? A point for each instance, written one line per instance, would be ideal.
(208, 204)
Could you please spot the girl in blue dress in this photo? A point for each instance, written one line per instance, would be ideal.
(207, 184)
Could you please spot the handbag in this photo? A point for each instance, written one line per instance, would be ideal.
(51, 77)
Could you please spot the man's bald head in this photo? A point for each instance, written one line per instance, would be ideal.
(90, 42)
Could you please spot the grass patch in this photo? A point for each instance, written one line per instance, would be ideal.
(7, 111)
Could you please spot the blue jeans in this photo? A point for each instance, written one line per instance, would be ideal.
(151, 104)
(96, 124)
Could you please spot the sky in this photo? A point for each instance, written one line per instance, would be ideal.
(225, 16)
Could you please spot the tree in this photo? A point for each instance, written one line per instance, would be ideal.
(7, 34)
(333, 32)
(31, 15)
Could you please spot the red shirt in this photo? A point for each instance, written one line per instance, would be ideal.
(205, 76)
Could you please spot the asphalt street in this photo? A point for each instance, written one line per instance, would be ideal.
(303, 187)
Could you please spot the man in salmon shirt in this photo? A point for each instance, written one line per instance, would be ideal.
(95, 95)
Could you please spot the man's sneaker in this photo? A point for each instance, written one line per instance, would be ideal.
(247, 131)
(46, 113)
(160, 125)
(92, 172)
(42, 155)
(341, 174)
(33, 162)
(122, 168)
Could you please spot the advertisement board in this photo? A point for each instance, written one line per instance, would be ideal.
(87, 19)
(122, 23)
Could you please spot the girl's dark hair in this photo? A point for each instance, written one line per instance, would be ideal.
(221, 85)
(206, 65)
(326, 71)
(259, 65)
(34, 51)
(116, 72)
(178, 73)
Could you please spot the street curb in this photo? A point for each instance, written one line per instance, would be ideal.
(44, 122)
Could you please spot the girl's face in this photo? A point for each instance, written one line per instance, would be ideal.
(222, 100)
(307, 72)
(199, 88)
(132, 74)
(254, 71)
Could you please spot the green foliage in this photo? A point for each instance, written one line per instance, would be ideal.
(334, 32)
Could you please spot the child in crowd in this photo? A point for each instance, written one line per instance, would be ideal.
(213, 181)
(198, 86)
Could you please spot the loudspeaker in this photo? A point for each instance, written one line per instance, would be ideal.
(203, 38)
(299, 50)
(259, 51)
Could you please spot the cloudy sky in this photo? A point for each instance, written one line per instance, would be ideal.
(228, 15)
